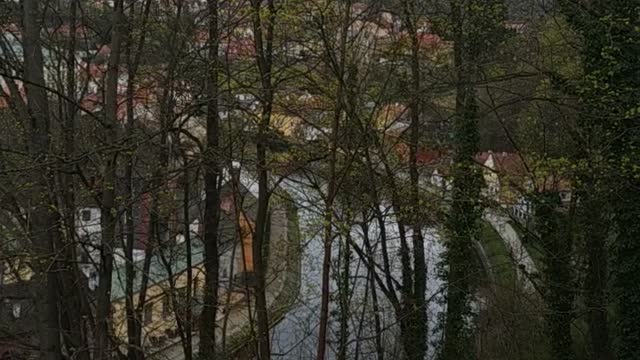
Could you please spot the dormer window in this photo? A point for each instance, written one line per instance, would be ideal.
(16, 309)
(180, 238)
(93, 281)
(86, 215)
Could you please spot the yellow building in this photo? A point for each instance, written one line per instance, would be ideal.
(288, 125)
(167, 280)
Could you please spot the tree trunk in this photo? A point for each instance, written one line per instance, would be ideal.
(344, 295)
(43, 218)
(108, 217)
(331, 191)
(263, 40)
(134, 322)
(212, 200)
(73, 284)
(555, 236)
(596, 229)
(465, 212)
(418, 314)
(263, 348)
(188, 321)
(627, 266)
(609, 97)
(376, 317)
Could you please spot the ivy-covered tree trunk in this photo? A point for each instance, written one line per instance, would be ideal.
(462, 224)
(462, 229)
(626, 269)
(552, 225)
(609, 93)
(595, 220)
(476, 28)
(624, 76)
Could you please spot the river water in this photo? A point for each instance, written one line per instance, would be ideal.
(295, 337)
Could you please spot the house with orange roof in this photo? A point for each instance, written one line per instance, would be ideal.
(510, 182)
(433, 166)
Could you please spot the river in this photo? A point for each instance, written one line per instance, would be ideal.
(295, 337)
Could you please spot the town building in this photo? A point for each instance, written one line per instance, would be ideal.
(166, 277)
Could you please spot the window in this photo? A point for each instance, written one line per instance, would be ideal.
(93, 280)
(166, 306)
(86, 215)
(148, 314)
(196, 283)
(180, 238)
(16, 308)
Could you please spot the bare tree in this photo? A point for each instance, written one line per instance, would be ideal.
(212, 201)
(43, 219)
(263, 32)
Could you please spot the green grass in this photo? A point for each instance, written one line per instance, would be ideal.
(502, 265)
(514, 318)
(534, 250)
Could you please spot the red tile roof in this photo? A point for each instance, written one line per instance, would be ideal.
(424, 157)
(426, 40)
(12, 29)
(5, 93)
(232, 45)
(482, 157)
(143, 98)
(82, 31)
(509, 164)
